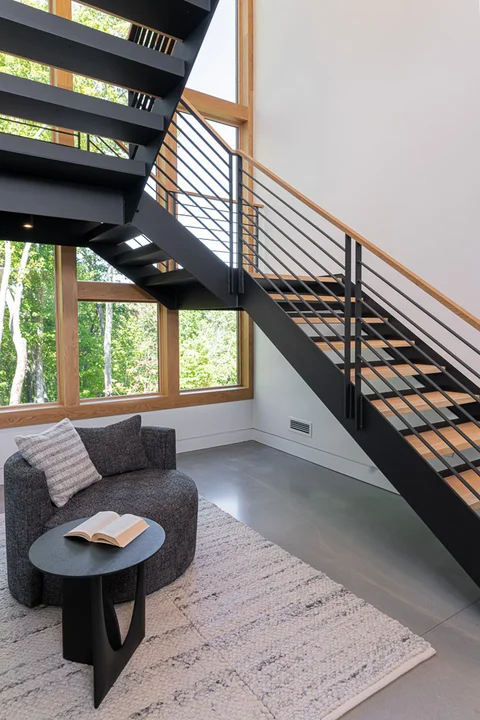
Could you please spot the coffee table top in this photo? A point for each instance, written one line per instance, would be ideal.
(76, 558)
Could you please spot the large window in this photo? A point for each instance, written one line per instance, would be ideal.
(118, 345)
(215, 70)
(74, 332)
(28, 371)
(208, 349)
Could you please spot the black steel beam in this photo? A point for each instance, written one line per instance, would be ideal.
(52, 40)
(40, 103)
(35, 158)
(54, 198)
(162, 229)
(177, 18)
(45, 230)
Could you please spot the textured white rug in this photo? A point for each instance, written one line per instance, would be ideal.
(248, 632)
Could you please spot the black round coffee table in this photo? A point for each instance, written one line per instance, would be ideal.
(91, 634)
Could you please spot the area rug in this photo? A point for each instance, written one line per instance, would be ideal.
(248, 633)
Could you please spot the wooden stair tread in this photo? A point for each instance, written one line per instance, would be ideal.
(473, 479)
(377, 344)
(451, 434)
(306, 298)
(403, 370)
(436, 398)
(335, 321)
(292, 278)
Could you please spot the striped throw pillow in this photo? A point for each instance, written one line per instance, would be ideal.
(62, 456)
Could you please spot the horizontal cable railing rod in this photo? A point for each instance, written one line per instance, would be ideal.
(432, 427)
(177, 172)
(178, 141)
(417, 434)
(426, 312)
(296, 261)
(192, 110)
(290, 207)
(172, 195)
(225, 199)
(340, 318)
(398, 352)
(182, 162)
(422, 352)
(287, 300)
(325, 252)
(424, 377)
(443, 299)
(210, 131)
(185, 166)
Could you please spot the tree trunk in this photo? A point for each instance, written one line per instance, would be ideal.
(107, 343)
(7, 268)
(39, 376)
(39, 384)
(14, 304)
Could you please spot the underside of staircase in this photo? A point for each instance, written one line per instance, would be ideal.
(413, 409)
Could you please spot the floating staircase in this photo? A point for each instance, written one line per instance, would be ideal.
(154, 191)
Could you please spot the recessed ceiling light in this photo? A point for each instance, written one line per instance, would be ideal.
(28, 224)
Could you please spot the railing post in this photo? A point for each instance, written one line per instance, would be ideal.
(240, 210)
(232, 288)
(358, 337)
(256, 233)
(347, 363)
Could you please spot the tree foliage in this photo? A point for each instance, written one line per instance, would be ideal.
(208, 349)
(37, 325)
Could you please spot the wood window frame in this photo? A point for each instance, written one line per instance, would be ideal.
(70, 291)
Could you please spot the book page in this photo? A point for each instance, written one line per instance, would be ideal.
(120, 525)
(94, 524)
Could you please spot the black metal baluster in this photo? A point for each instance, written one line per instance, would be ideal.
(233, 289)
(348, 327)
(240, 224)
(358, 337)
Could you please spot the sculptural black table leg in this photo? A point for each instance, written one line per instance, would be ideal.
(109, 655)
(77, 621)
(91, 634)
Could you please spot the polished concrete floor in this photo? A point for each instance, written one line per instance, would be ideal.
(369, 540)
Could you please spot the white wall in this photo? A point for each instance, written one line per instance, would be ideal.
(372, 109)
(280, 393)
(197, 427)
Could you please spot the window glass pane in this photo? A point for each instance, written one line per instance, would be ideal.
(32, 71)
(215, 70)
(118, 349)
(91, 267)
(208, 348)
(28, 364)
(98, 20)
(113, 26)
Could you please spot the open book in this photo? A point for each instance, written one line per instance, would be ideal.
(110, 528)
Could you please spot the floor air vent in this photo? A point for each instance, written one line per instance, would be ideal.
(301, 426)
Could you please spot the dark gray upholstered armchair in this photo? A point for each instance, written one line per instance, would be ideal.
(159, 492)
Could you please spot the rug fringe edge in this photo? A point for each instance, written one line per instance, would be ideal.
(381, 684)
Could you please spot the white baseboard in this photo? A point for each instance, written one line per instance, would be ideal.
(359, 471)
(202, 442)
